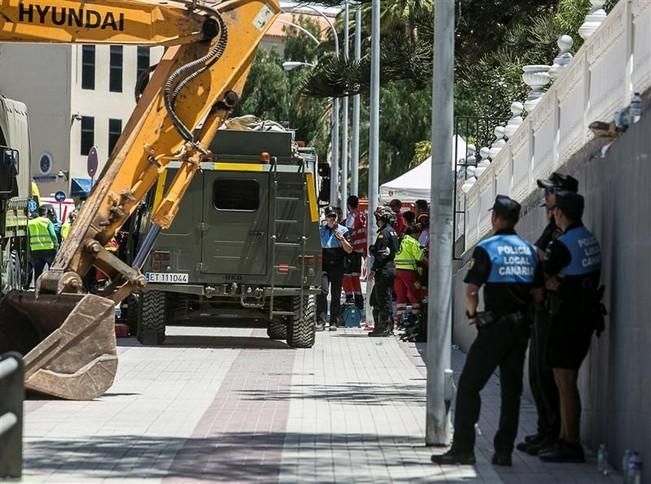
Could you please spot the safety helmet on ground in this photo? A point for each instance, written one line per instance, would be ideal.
(386, 214)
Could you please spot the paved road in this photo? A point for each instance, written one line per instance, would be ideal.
(230, 405)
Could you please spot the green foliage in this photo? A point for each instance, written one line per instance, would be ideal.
(422, 151)
(494, 39)
(275, 94)
(272, 101)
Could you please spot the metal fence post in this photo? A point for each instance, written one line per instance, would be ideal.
(11, 415)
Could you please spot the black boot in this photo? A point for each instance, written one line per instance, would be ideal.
(455, 457)
(376, 322)
(386, 327)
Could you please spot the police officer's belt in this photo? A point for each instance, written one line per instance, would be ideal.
(489, 318)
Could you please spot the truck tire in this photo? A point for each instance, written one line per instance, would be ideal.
(277, 328)
(301, 329)
(132, 313)
(151, 318)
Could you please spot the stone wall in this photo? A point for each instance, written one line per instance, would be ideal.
(614, 379)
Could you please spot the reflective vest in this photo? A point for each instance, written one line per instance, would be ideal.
(65, 230)
(40, 237)
(513, 260)
(410, 253)
(585, 251)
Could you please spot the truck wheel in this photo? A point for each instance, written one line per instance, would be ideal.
(12, 274)
(132, 313)
(300, 331)
(277, 328)
(151, 318)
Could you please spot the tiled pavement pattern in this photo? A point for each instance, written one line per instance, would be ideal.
(230, 405)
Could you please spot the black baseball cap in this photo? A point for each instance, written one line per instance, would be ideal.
(506, 207)
(559, 181)
(571, 204)
(330, 212)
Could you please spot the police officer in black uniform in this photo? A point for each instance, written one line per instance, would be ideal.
(572, 267)
(383, 252)
(541, 376)
(508, 268)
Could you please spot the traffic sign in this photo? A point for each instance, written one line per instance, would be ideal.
(91, 162)
(60, 196)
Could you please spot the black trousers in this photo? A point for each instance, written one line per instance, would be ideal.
(503, 345)
(39, 259)
(331, 278)
(381, 296)
(541, 379)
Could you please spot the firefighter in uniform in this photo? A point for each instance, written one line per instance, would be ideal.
(43, 242)
(541, 375)
(383, 252)
(508, 268)
(356, 224)
(572, 267)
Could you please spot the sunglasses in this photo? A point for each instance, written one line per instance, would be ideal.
(550, 191)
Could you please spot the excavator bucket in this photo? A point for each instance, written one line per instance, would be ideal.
(68, 341)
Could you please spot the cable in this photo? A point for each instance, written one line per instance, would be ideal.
(180, 78)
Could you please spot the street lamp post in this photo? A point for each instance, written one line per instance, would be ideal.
(291, 65)
(344, 134)
(334, 133)
(354, 161)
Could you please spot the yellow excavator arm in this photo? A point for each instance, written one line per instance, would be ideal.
(192, 90)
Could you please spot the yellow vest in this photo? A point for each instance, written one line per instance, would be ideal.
(65, 230)
(39, 235)
(410, 253)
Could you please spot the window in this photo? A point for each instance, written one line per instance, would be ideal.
(230, 194)
(88, 67)
(115, 73)
(115, 129)
(143, 61)
(87, 134)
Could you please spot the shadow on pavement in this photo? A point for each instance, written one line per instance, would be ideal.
(231, 457)
(352, 393)
(199, 341)
(239, 342)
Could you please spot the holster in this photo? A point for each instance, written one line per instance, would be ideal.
(553, 303)
(486, 318)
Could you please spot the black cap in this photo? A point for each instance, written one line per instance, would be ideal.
(571, 204)
(507, 208)
(560, 182)
(330, 212)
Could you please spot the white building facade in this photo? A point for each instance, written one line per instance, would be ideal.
(78, 96)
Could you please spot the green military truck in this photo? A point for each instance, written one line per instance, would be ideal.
(245, 241)
(14, 194)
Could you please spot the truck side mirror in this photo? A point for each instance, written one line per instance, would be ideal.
(8, 172)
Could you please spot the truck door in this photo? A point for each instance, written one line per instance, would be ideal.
(235, 222)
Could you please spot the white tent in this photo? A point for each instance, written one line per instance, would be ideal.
(415, 184)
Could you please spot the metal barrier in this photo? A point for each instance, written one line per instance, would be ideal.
(12, 393)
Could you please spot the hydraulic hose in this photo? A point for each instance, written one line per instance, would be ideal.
(180, 78)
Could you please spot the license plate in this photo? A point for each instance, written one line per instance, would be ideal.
(168, 277)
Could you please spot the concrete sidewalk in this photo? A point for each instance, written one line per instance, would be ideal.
(230, 405)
